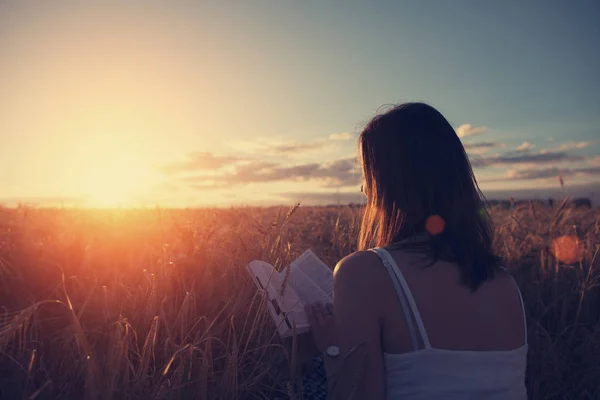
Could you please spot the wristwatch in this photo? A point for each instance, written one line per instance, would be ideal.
(332, 351)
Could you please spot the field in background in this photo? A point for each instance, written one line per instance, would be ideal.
(156, 304)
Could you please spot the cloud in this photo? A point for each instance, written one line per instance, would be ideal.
(525, 146)
(200, 160)
(568, 146)
(340, 136)
(517, 174)
(477, 145)
(469, 130)
(481, 147)
(551, 172)
(526, 158)
(339, 173)
(595, 161)
(274, 147)
(316, 144)
(295, 147)
(207, 161)
(588, 170)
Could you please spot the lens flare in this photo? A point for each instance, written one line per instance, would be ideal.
(567, 249)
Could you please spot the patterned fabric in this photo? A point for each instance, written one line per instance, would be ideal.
(314, 380)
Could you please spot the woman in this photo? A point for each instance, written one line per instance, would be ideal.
(424, 310)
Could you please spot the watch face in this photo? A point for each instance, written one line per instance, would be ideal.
(333, 351)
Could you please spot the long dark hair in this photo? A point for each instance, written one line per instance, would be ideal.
(415, 166)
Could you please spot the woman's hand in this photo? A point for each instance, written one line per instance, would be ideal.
(322, 325)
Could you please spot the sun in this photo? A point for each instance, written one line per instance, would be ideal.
(118, 180)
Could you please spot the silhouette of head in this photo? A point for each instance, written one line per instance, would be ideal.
(415, 166)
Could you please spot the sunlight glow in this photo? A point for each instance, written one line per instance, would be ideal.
(120, 179)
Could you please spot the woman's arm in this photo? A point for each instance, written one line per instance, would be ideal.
(358, 370)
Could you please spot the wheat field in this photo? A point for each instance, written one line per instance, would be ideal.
(156, 304)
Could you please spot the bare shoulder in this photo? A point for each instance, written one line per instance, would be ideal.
(359, 269)
(504, 285)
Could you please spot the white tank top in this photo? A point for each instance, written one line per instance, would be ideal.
(430, 373)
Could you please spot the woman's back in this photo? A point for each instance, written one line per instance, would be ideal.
(462, 344)
(470, 341)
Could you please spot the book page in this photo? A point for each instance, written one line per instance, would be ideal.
(262, 273)
(289, 303)
(286, 308)
(311, 279)
(316, 270)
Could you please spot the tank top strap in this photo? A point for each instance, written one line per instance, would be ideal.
(383, 255)
(522, 308)
(409, 306)
(520, 299)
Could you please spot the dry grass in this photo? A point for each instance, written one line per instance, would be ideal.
(156, 304)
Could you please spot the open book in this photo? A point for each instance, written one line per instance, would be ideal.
(309, 280)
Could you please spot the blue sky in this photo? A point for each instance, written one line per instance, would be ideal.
(260, 102)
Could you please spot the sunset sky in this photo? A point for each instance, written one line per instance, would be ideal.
(260, 102)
